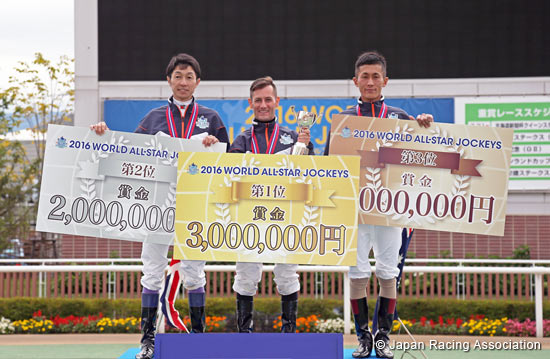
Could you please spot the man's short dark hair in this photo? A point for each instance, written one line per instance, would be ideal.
(185, 60)
(262, 82)
(371, 58)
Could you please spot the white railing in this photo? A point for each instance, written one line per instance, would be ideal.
(458, 261)
(532, 270)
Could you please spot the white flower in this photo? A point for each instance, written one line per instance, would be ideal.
(5, 326)
(331, 326)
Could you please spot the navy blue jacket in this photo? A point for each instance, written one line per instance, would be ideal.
(208, 121)
(366, 110)
(287, 138)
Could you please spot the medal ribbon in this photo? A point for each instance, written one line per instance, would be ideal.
(271, 143)
(190, 125)
(383, 110)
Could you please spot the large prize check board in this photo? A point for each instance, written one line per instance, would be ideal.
(446, 177)
(118, 185)
(267, 208)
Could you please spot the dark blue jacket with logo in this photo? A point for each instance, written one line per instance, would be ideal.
(366, 110)
(287, 138)
(208, 121)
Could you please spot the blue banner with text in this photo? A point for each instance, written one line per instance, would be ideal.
(125, 115)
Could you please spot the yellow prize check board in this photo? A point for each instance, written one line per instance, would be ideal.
(267, 208)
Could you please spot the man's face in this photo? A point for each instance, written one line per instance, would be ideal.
(370, 80)
(264, 102)
(183, 82)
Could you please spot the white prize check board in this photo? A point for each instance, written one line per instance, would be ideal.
(118, 185)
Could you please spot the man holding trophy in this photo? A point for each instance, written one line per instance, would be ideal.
(266, 136)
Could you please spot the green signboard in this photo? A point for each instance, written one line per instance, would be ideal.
(530, 120)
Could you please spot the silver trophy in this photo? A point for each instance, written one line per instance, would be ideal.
(305, 120)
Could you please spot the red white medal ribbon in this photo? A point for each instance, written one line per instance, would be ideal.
(190, 125)
(382, 114)
(271, 143)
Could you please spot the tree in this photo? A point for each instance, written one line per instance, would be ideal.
(41, 92)
(16, 179)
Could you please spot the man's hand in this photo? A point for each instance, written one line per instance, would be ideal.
(99, 128)
(424, 120)
(209, 141)
(304, 136)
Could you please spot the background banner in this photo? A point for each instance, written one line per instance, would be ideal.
(446, 177)
(125, 115)
(267, 208)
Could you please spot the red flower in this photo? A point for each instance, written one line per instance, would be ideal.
(423, 321)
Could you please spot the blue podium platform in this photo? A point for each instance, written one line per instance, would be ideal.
(247, 346)
(253, 345)
(233, 346)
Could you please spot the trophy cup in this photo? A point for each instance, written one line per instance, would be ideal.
(305, 120)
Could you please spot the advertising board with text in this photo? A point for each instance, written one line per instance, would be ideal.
(267, 208)
(118, 185)
(446, 177)
(529, 117)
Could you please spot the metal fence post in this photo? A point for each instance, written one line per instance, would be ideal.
(41, 285)
(460, 284)
(347, 305)
(319, 285)
(538, 304)
(111, 285)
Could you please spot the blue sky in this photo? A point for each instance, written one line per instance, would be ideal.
(29, 26)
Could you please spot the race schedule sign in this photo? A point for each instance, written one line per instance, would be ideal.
(267, 208)
(529, 117)
(119, 185)
(446, 177)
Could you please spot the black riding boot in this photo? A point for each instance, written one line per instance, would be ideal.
(197, 319)
(148, 328)
(289, 305)
(386, 308)
(245, 306)
(197, 312)
(364, 335)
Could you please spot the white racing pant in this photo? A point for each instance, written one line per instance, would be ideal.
(386, 242)
(154, 258)
(249, 275)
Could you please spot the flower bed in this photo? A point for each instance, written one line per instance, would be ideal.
(303, 324)
(214, 324)
(475, 325)
(38, 324)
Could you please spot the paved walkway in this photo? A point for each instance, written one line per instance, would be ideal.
(60, 339)
(106, 346)
(349, 340)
